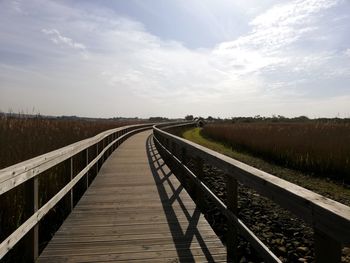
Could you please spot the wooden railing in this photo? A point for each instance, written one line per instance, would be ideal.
(102, 145)
(329, 219)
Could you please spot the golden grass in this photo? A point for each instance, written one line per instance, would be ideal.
(319, 148)
(23, 138)
(319, 185)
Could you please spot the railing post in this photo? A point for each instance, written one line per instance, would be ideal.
(119, 135)
(200, 175)
(113, 139)
(71, 178)
(326, 248)
(184, 161)
(97, 168)
(173, 149)
(36, 208)
(167, 143)
(31, 206)
(200, 166)
(105, 146)
(109, 149)
(183, 156)
(103, 155)
(87, 163)
(232, 201)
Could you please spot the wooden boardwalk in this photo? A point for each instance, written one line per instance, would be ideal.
(135, 210)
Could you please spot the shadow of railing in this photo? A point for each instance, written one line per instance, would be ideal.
(183, 238)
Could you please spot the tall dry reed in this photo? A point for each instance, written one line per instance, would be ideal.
(22, 138)
(320, 148)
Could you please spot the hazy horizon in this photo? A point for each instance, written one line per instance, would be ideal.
(173, 58)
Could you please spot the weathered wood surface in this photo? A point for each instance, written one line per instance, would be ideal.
(135, 210)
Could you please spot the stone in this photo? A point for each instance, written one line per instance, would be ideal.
(302, 249)
(282, 249)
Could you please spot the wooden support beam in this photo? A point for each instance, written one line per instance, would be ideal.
(200, 174)
(31, 206)
(71, 190)
(326, 248)
(87, 173)
(232, 205)
(97, 166)
(103, 156)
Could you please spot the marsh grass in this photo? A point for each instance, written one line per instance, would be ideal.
(22, 138)
(319, 148)
(321, 185)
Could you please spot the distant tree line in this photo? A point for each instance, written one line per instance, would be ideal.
(158, 119)
(275, 118)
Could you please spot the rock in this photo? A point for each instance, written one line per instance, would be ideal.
(302, 249)
(296, 234)
(285, 234)
(282, 249)
(267, 235)
(280, 241)
(296, 243)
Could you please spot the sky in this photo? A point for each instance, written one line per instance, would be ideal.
(148, 58)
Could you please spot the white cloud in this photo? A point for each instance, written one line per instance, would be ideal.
(347, 52)
(57, 38)
(297, 12)
(272, 32)
(269, 70)
(16, 6)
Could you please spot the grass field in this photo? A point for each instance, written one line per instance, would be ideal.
(323, 186)
(318, 148)
(23, 138)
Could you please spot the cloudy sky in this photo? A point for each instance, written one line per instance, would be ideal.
(172, 58)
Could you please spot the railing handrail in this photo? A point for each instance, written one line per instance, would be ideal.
(19, 173)
(326, 215)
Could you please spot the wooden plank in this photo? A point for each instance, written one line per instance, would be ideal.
(161, 256)
(135, 211)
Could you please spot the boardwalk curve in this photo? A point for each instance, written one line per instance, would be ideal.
(135, 210)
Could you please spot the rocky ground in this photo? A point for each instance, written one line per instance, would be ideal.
(287, 236)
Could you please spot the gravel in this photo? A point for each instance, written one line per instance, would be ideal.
(288, 237)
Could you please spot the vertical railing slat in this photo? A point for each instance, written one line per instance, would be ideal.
(30, 207)
(200, 174)
(36, 208)
(232, 205)
(326, 248)
(87, 173)
(71, 190)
